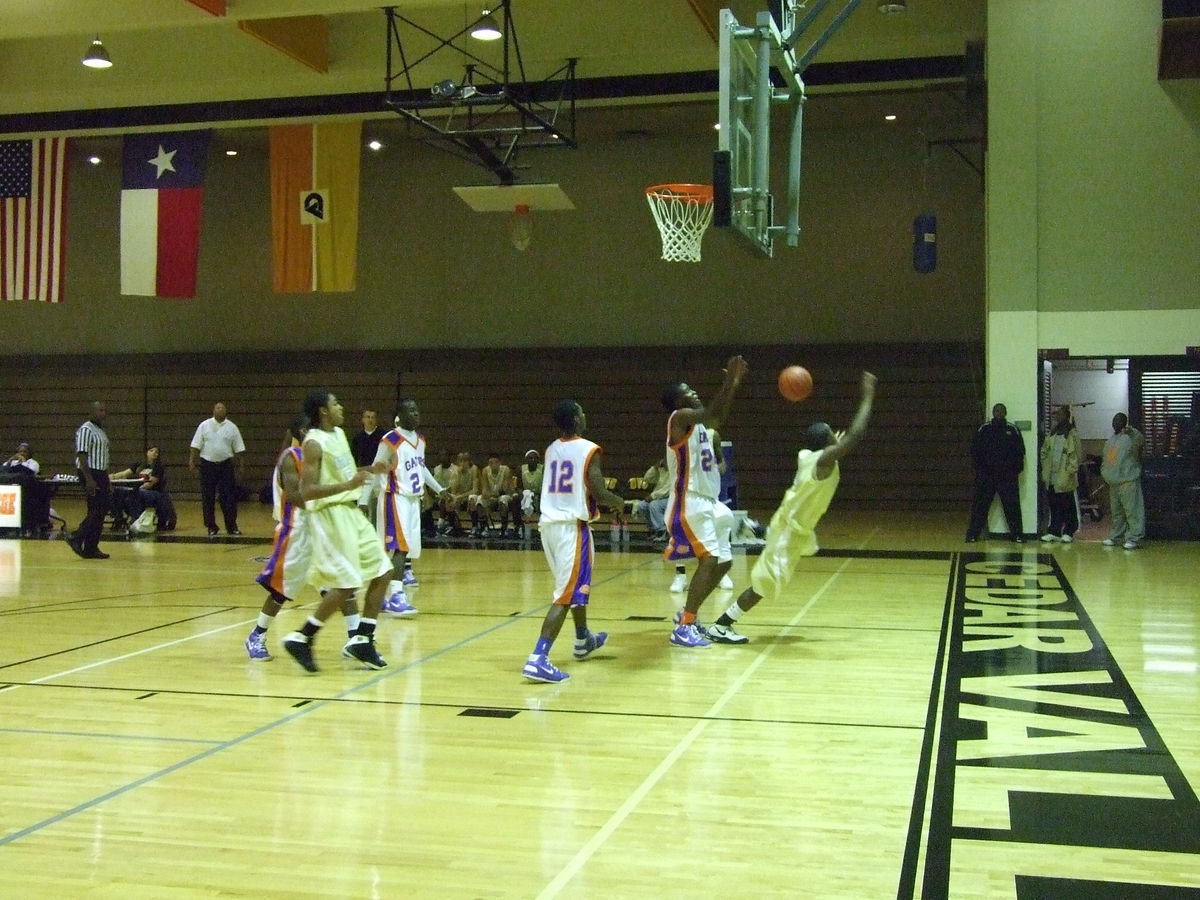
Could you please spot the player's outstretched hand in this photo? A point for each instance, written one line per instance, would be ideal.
(737, 367)
(868, 383)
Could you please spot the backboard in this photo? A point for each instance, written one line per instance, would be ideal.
(742, 199)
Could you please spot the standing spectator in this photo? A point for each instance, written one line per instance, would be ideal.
(218, 443)
(1061, 455)
(23, 458)
(998, 454)
(91, 458)
(363, 445)
(1121, 469)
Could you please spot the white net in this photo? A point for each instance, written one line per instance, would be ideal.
(683, 213)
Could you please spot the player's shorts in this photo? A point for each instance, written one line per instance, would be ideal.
(568, 547)
(399, 523)
(699, 527)
(786, 545)
(287, 567)
(491, 504)
(347, 553)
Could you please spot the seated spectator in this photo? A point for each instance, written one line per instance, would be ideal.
(654, 508)
(461, 482)
(22, 459)
(152, 492)
(531, 484)
(431, 505)
(497, 496)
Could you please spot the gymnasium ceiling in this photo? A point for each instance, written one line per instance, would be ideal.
(631, 53)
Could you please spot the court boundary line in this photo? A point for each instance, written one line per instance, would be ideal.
(309, 708)
(585, 853)
(914, 845)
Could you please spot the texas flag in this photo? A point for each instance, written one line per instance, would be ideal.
(162, 195)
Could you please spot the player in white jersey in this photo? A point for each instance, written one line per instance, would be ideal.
(572, 486)
(346, 550)
(402, 454)
(287, 567)
(792, 534)
(698, 524)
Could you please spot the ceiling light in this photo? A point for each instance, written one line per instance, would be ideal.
(375, 145)
(96, 56)
(486, 29)
(231, 153)
(894, 6)
(94, 160)
(890, 117)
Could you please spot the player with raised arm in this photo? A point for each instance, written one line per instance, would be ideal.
(572, 487)
(792, 532)
(698, 524)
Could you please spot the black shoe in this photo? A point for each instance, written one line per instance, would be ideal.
(212, 532)
(94, 554)
(74, 545)
(235, 532)
(300, 650)
(970, 538)
(363, 649)
(1018, 539)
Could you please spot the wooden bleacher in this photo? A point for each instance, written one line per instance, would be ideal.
(929, 404)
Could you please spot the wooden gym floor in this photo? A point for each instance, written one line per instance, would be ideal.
(917, 717)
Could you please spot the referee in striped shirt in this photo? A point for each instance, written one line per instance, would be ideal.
(91, 458)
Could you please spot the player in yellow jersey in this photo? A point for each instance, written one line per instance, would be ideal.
(346, 551)
(792, 532)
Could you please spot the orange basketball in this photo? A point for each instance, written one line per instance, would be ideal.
(795, 383)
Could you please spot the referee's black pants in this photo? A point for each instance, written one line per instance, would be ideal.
(217, 481)
(87, 536)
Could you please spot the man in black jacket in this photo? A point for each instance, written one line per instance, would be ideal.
(998, 454)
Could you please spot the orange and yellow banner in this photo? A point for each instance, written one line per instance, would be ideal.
(314, 206)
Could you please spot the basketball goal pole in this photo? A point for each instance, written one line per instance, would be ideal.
(761, 165)
(793, 182)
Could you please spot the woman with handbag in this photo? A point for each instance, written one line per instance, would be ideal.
(1061, 455)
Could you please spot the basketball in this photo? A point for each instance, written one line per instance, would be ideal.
(795, 383)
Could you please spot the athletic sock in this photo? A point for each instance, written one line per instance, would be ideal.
(311, 627)
(352, 624)
(542, 647)
(366, 627)
(581, 632)
(264, 622)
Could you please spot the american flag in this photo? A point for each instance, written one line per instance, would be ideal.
(33, 189)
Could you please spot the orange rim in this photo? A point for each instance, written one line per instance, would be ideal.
(698, 193)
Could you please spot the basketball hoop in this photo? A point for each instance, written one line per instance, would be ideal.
(682, 212)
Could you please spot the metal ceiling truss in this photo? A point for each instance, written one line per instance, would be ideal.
(490, 114)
